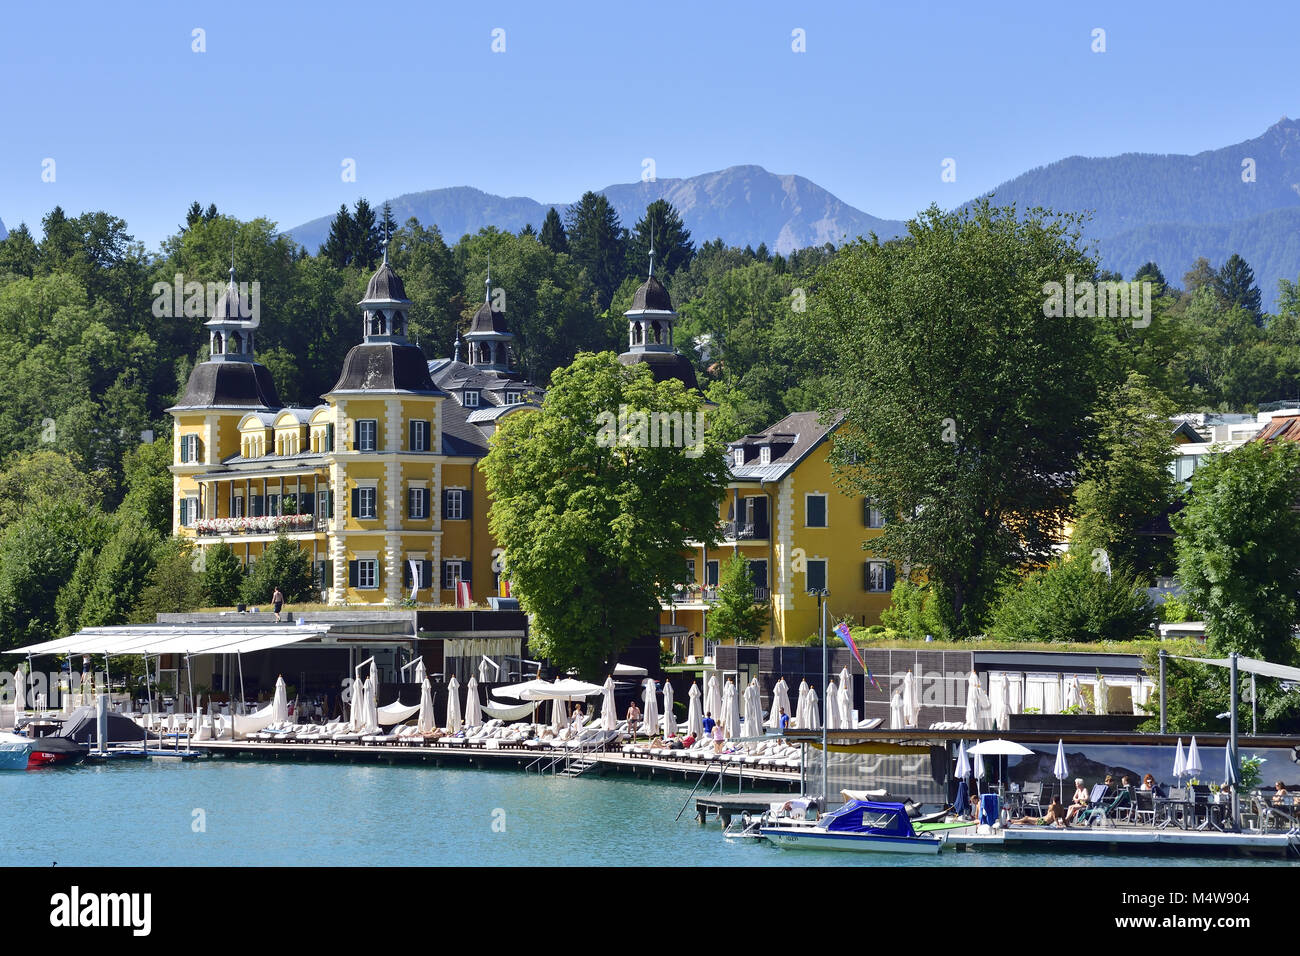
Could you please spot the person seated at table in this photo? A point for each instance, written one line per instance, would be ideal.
(1280, 794)
(1055, 817)
(1148, 783)
(1079, 803)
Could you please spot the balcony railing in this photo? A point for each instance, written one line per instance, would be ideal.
(264, 524)
(708, 595)
(744, 530)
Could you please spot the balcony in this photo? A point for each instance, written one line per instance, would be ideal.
(744, 531)
(695, 595)
(265, 524)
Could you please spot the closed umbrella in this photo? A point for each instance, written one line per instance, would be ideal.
(420, 673)
(1102, 694)
(280, 702)
(911, 701)
(713, 698)
(896, 718)
(101, 721)
(1194, 768)
(651, 710)
(972, 702)
(374, 677)
(846, 707)
(1180, 763)
(1060, 770)
(482, 670)
(998, 700)
(731, 704)
(608, 712)
(20, 695)
(1230, 774)
(1072, 696)
(372, 705)
(559, 714)
(801, 712)
(473, 713)
(813, 717)
(424, 723)
(978, 768)
(355, 712)
(453, 706)
(694, 716)
(780, 701)
(753, 726)
(963, 762)
(670, 720)
(832, 707)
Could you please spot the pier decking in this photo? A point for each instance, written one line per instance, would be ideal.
(1107, 839)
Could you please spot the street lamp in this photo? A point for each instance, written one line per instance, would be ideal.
(821, 594)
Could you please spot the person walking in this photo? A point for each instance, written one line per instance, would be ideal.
(633, 715)
(277, 602)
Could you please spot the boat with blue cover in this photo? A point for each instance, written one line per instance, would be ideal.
(15, 751)
(859, 825)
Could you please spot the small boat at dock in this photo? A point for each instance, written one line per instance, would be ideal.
(15, 751)
(858, 826)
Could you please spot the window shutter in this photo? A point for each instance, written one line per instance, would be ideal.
(406, 574)
(198, 448)
(889, 577)
(426, 574)
(467, 569)
(445, 497)
(379, 574)
(467, 506)
(181, 510)
(356, 502)
(866, 575)
(866, 512)
(307, 504)
(410, 436)
(352, 574)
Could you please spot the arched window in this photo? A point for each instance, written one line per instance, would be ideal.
(236, 343)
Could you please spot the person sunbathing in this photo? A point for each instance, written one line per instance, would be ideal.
(1055, 817)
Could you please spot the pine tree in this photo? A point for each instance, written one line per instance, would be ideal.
(528, 230)
(192, 215)
(367, 237)
(553, 236)
(387, 224)
(1235, 286)
(672, 241)
(338, 247)
(598, 244)
(1150, 272)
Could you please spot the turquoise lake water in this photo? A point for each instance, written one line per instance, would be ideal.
(258, 813)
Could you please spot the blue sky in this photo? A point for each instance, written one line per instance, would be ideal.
(261, 122)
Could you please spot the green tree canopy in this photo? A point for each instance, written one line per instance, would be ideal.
(736, 616)
(282, 565)
(594, 527)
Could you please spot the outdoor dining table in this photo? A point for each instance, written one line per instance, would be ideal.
(1168, 805)
(1217, 806)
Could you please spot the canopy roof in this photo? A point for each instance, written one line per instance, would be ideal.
(176, 639)
(1252, 666)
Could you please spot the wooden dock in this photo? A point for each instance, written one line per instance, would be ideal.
(537, 760)
(1123, 838)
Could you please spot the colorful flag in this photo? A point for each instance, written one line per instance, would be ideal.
(842, 629)
(463, 596)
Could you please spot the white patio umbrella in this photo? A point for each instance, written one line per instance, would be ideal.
(753, 726)
(420, 673)
(424, 723)
(810, 713)
(1194, 768)
(1180, 763)
(650, 712)
(559, 714)
(801, 711)
(979, 709)
(473, 712)
(978, 768)
(20, 694)
(911, 701)
(896, 718)
(482, 670)
(1072, 696)
(731, 706)
(374, 676)
(453, 706)
(608, 711)
(998, 700)
(832, 706)
(356, 708)
(963, 762)
(713, 698)
(694, 716)
(780, 701)
(280, 702)
(846, 707)
(1060, 770)
(372, 705)
(1000, 748)
(670, 720)
(1102, 694)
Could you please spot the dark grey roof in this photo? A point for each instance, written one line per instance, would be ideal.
(230, 384)
(651, 297)
(385, 285)
(664, 365)
(386, 367)
(459, 437)
(455, 377)
(792, 439)
(488, 320)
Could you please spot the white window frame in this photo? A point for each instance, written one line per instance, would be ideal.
(364, 565)
(765, 455)
(826, 509)
(456, 512)
(514, 398)
(875, 517)
(883, 567)
(738, 458)
(470, 397)
(189, 449)
(361, 434)
(422, 497)
(421, 429)
(362, 492)
(456, 575)
(237, 506)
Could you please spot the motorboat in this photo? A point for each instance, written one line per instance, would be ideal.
(15, 751)
(859, 825)
(55, 752)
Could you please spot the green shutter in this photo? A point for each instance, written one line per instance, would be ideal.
(356, 502)
(889, 577)
(353, 574)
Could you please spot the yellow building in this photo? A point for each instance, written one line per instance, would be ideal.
(380, 483)
(799, 532)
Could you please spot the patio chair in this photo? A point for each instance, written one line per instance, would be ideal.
(1144, 806)
(1172, 809)
(1031, 795)
(1102, 806)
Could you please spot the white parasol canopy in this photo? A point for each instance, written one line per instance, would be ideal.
(20, 694)
(483, 670)
(846, 706)
(694, 717)
(453, 706)
(650, 712)
(280, 702)
(420, 673)
(424, 723)
(473, 712)
(731, 707)
(608, 712)
(1194, 768)
(963, 762)
(1180, 762)
(808, 714)
(1072, 696)
(800, 714)
(999, 706)
(670, 720)
(832, 707)
(1060, 769)
(911, 701)
(780, 699)
(357, 708)
(559, 714)
(979, 710)
(713, 698)
(896, 719)
(1102, 702)
(1001, 747)
(753, 725)
(372, 705)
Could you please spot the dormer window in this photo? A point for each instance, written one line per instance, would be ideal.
(471, 398)
(765, 455)
(514, 398)
(738, 457)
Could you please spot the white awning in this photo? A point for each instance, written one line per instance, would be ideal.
(1252, 666)
(176, 639)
